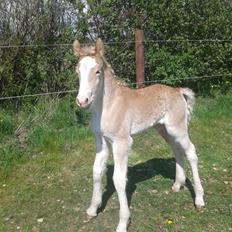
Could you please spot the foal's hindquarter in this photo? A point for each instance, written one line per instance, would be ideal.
(118, 112)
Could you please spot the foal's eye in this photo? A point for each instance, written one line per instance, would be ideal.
(98, 72)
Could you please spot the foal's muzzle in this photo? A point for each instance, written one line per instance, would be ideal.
(83, 102)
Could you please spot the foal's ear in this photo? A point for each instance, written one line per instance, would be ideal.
(77, 48)
(99, 47)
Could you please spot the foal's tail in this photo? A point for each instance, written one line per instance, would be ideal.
(189, 97)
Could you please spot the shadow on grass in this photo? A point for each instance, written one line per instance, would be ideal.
(141, 172)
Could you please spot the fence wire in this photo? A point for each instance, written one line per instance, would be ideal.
(195, 78)
(123, 62)
(121, 42)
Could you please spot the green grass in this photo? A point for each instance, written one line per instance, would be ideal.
(46, 173)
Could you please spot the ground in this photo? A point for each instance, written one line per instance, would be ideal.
(46, 183)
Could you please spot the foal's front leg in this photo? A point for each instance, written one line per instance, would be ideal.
(98, 171)
(120, 150)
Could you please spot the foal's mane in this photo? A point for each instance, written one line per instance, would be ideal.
(119, 81)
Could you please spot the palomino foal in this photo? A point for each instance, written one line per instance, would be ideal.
(118, 112)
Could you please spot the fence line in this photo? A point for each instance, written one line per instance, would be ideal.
(127, 84)
(37, 94)
(189, 40)
(121, 42)
(181, 79)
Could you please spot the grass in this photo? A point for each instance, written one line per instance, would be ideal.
(46, 166)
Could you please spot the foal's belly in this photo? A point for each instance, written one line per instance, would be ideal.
(141, 125)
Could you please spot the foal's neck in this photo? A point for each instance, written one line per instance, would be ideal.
(110, 82)
(107, 89)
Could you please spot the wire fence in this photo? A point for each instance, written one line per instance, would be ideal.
(127, 84)
(37, 94)
(123, 63)
(120, 63)
(121, 42)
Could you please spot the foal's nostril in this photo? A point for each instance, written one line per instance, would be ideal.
(82, 101)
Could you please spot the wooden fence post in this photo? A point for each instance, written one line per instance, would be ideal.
(139, 57)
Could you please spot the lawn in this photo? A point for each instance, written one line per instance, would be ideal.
(46, 161)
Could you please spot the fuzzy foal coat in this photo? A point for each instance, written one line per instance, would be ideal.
(118, 112)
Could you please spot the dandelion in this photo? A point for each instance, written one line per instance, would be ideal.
(169, 221)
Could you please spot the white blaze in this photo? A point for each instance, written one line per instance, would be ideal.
(86, 64)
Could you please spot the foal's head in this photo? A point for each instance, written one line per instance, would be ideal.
(89, 70)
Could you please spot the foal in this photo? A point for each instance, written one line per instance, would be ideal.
(118, 112)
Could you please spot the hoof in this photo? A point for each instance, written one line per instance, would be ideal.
(89, 217)
(122, 227)
(199, 203)
(119, 229)
(176, 188)
(91, 212)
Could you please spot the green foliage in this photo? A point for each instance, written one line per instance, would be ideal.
(54, 125)
(62, 123)
(220, 107)
(10, 155)
(6, 124)
(182, 58)
(176, 55)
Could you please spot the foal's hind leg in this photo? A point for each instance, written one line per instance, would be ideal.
(180, 141)
(180, 175)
